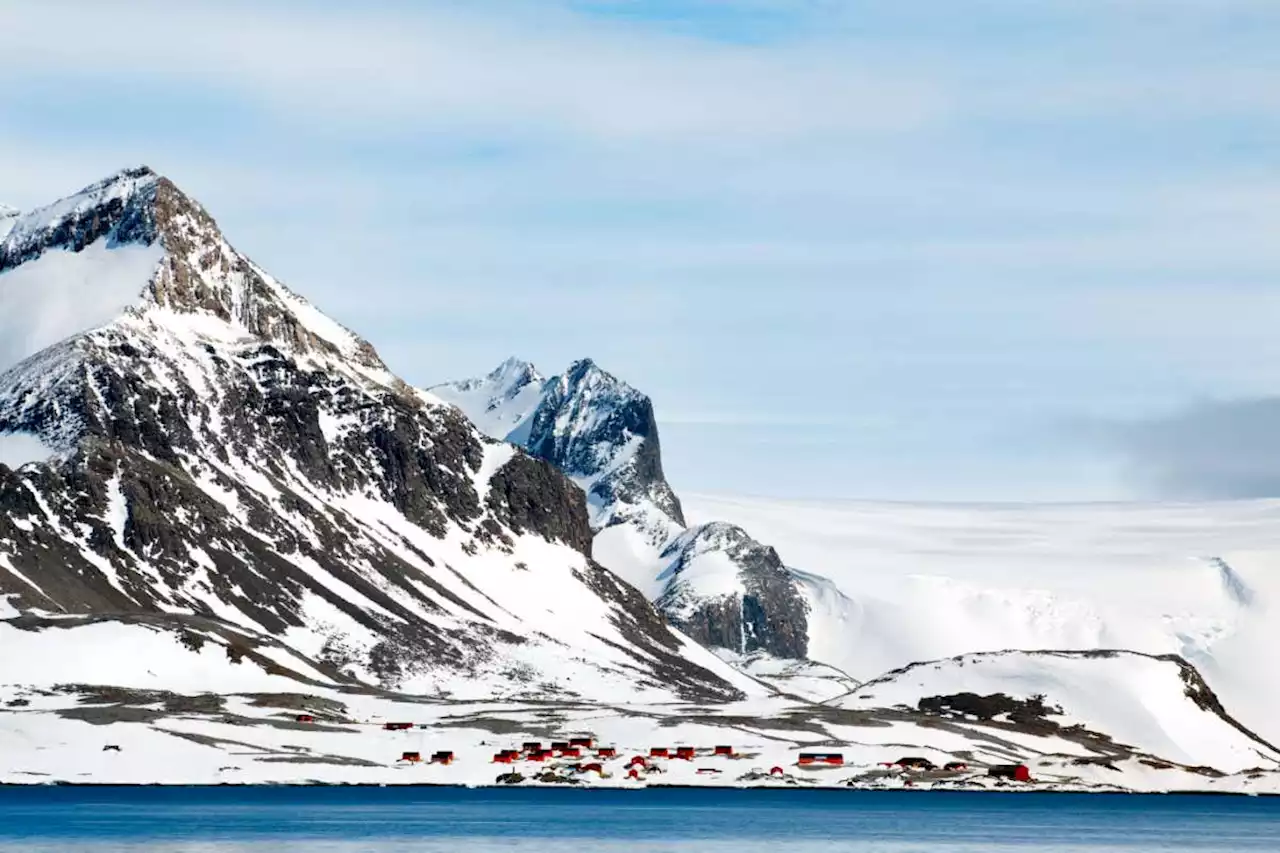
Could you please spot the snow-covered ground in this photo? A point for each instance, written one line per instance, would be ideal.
(890, 584)
(176, 714)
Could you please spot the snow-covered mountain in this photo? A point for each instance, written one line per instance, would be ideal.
(714, 581)
(589, 424)
(191, 445)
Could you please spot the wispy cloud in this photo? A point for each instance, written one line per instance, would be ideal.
(437, 65)
(920, 234)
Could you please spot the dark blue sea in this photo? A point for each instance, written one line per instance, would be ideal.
(424, 820)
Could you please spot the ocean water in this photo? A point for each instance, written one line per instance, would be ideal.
(426, 820)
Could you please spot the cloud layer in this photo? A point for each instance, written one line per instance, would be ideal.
(873, 248)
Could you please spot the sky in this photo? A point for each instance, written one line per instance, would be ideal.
(984, 250)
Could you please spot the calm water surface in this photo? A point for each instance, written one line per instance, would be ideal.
(397, 820)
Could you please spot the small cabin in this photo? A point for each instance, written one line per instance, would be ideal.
(592, 768)
(507, 756)
(686, 752)
(397, 727)
(1016, 772)
(558, 745)
(835, 759)
(571, 752)
(539, 755)
(955, 766)
(305, 718)
(638, 761)
(659, 752)
(725, 751)
(606, 752)
(411, 757)
(914, 763)
(531, 746)
(583, 742)
(444, 756)
(633, 773)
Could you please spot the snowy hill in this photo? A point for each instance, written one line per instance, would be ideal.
(187, 438)
(1157, 706)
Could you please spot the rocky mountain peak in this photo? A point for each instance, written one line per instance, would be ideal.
(514, 372)
(589, 424)
(197, 271)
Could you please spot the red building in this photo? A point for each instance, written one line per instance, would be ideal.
(686, 752)
(724, 750)
(412, 757)
(606, 752)
(1016, 772)
(397, 727)
(658, 752)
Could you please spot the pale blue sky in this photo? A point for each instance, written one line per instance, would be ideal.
(855, 248)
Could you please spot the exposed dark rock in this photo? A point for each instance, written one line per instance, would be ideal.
(1029, 711)
(768, 615)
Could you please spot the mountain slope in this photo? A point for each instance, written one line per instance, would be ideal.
(219, 448)
(713, 582)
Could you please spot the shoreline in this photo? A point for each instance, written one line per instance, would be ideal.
(833, 789)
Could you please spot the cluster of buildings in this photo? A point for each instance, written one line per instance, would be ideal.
(585, 747)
